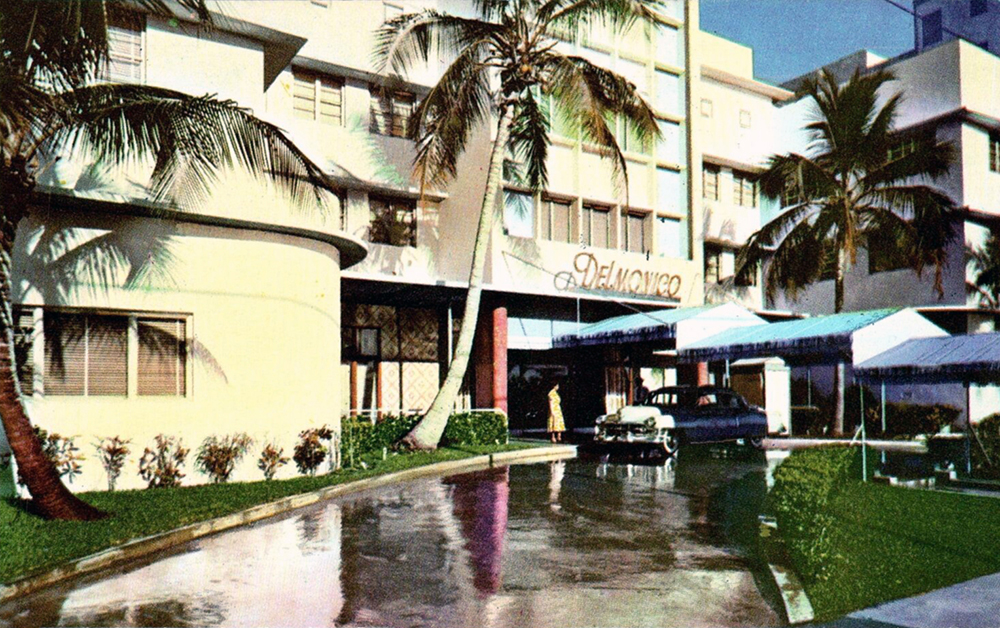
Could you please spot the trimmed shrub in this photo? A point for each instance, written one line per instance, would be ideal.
(905, 420)
(217, 457)
(160, 465)
(476, 428)
(271, 459)
(112, 451)
(985, 450)
(309, 452)
(804, 484)
(362, 441)
(62, 452)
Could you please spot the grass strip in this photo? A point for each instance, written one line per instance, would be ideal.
(858, 544)
(30, 545)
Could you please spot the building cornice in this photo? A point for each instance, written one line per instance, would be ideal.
(776, 94)
(733, 164)
(351, 249)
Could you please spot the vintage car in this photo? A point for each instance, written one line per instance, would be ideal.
(675, 415)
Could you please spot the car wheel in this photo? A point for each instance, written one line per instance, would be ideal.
(757, 442)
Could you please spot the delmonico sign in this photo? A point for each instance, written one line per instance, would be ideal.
(590, 273)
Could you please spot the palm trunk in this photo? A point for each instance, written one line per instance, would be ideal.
(427, 433)
(51, 498)
(839, 384)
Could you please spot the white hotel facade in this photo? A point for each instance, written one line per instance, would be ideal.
(284, 319)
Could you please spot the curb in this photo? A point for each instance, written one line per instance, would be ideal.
(798, 608)
(139, 548)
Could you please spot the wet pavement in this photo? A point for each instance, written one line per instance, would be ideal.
(574, 543)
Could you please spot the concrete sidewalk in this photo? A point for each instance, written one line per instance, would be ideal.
(971, 604)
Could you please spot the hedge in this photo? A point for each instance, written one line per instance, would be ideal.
(364, 441)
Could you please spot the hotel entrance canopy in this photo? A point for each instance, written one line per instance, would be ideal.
(678, 326)
(973, 358)
(847, 337)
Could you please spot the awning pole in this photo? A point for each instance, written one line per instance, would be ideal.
(864, 437)
(726, 383)
(809, 386)
(883, 418)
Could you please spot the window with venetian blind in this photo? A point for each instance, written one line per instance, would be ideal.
(24, 344)
(710, 182)
(162, 357)
(556, 220)
(390, 112)
(634, 232)
(125, 52)
(318, 97)
(86, 354)
(744, 189)
(596, 228)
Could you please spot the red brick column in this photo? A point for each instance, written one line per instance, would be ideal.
(500, 358)
(692, 374)
(489, 357)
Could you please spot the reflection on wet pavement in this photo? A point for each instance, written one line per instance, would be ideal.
(576, 543)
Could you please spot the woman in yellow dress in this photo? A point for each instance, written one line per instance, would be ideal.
(556, 424)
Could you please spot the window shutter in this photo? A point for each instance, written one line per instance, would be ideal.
(107, 360)
(162, 357)
(65, 354)
(304, 97)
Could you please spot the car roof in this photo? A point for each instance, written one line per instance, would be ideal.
(701, 390)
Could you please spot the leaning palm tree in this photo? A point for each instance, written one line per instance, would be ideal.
(53, 103)
(985, 261)
(506, 65)
(862, 185)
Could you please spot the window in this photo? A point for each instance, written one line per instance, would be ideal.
(125, 52)
(162, 357)
(744, 189)
(519, 214)
(713, 263)
(669, 93)
(790, 194)
(86, 354)
(994, 152)
(902, 148)
(629, 139)
(393, 221)
(24, 345)
(931, 27)
(670, 147)
(706, 108)
(390, 113)
(317, 97)
(744, 119)
(556, 220)
(710, 182)
(359, 343)
(978, 7)
(634, 232)
(596, 228)
(671, 240)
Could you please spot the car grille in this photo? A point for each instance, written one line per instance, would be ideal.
(619, 429)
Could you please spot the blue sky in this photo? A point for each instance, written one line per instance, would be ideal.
(791, 37)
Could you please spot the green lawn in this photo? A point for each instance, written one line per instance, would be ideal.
(30, 545)
(879, 543)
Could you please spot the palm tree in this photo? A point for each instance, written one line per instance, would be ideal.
(862, 185)
(53, 102)
(506, 64)
(985, 260)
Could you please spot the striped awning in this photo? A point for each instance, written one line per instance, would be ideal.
(965, 358)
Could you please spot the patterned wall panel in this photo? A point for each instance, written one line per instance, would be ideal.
(420, 384)
(390, 386)
(380, 316)
(418, 334)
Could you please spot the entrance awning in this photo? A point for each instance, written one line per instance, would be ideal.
(682, 325)
(847, 337)
(968, 358)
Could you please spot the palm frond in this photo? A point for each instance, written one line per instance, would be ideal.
(928, 159)
(591, 94)
(805, 176)
(529, 140)
(621, 15)
(406, 41)
(443, 120)
(192, 139)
